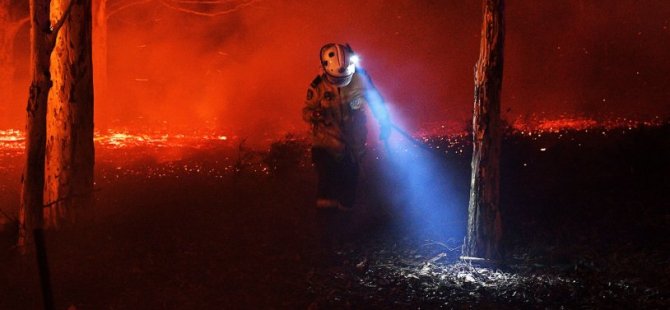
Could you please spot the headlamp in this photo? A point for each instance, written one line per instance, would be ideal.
(354, 60)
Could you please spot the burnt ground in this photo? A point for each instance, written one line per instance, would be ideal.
(586, 224)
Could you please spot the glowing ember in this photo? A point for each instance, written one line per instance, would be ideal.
(564, 124)
(163, 152)
(535, 125)
(115, 140)
(451, 133)
(11, 139)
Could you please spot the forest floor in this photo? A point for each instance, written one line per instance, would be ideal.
(585, 215)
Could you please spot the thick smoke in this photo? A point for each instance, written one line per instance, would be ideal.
(250, 69)
(246, 72)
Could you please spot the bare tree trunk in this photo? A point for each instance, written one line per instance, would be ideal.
(32, 199)
(100, 50)
(42, 43)
(69, 147)
(484, 223)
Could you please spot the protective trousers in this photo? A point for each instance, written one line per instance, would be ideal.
(338, 178)
(337, 182)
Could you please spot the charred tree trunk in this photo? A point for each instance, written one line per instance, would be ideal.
(69, 146)
(42, 42)
(484, 223)
(32, 199)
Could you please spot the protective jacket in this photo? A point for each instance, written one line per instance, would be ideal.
(337, 115)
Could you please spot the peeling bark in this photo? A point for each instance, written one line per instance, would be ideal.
(42, 42)
(69, 146)
(484, 222)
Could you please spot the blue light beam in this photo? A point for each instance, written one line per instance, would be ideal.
(420, 188)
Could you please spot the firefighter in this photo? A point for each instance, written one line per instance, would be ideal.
(335, 109)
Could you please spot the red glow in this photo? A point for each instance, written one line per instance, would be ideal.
(11, 140)
(123, 139)
(247, 71)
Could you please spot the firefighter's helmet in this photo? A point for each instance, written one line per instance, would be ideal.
(338, 62)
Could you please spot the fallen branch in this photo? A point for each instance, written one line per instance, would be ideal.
(457, 248)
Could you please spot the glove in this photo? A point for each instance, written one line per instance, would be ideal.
(385, 131)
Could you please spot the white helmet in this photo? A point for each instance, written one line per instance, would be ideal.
(339, 63)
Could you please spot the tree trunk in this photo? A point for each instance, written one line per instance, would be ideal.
(100, 51)
(484, 223)
(32, 199)
(69, 147)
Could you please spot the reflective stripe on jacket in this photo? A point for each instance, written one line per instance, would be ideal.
(337, 116)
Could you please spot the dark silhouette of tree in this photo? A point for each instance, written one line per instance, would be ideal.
(42, 41)
(484, 223)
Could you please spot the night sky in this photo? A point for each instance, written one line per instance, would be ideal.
(248, 71)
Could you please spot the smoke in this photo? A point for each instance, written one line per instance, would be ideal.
(590, 57)
(247, 71)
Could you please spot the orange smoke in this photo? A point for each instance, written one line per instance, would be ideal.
(247, 71)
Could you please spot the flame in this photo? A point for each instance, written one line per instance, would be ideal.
(11, 142)
(124, 139)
